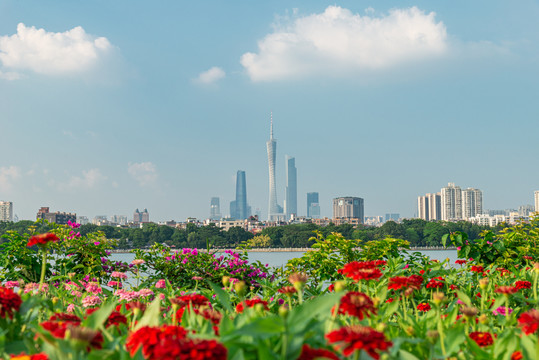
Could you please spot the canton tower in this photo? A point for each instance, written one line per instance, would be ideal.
(271, 144)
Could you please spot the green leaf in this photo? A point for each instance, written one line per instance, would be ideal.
(405, 355)
(224, 298)
(528, 346)
(262, 327)
(98, 318)
(300, 316)
(464, 298)
(444, 240)
(151, 315)
(500, 300)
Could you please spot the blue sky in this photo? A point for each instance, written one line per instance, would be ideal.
(108, 106)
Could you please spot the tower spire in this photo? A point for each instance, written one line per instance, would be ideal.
(271, 125)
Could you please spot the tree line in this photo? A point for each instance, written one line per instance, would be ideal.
(418, 232)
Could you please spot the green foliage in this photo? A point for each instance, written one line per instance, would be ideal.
(328, 255)
(505, 248)
(383, 249)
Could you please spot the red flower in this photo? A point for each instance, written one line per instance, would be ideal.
(477, 268)
(517, 355)
(289, 290)
(10, 302)
(502, 270)
(434, 283)
(115, 318)
(461, 262)
(42, 239)
(390, 300)
(365, 270)
(58, 329)
(506, 290)
(357, 337)
(23, 356)
(308, 353)
(423, 307)
(529, 321)
(410, 282)
(356, 304)
(148, 338)
(67, 318)
(482, 338)
(170, 342)
(523, 285)
(251, 303)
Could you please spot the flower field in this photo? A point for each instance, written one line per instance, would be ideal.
(62, 298)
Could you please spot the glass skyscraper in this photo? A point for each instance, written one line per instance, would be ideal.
(313, 205)
(291, 198)
(215, 209)
(239, 208)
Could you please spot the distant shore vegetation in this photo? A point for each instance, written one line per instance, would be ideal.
(416, 231)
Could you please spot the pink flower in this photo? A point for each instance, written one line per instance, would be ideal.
(459, 302)
(126, 295)
(114, 284)
(144, 293)
(501, 311)
(161, 296)
(34, 287)
(76, 293)
(94, 288)
(407, 266)
(458, 248)
(138, 262)
(11, 284)
(119, 275)
(91, 300)
(70, 308)
(161, 284)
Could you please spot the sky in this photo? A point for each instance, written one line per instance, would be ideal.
(109, 106)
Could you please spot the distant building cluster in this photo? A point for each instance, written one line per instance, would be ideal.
(60, 218)
(141, 217)
(454, 204)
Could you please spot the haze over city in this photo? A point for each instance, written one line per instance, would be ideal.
(111, 106)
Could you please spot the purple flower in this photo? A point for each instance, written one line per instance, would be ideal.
(97, 243)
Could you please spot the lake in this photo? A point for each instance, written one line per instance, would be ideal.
(279, 259)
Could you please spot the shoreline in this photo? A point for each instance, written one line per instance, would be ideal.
(269, 250)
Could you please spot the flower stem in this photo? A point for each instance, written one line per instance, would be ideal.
(43, 269)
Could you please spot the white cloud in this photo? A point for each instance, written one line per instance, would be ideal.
(52, 53)
(211, 76)
(338, 41)
(144, 173)
(7, 176)
(88, 180)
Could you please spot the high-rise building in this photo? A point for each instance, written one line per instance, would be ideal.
(423, 208)
(275, 212)
(6, 211)
(239, 209)
(435, 206)
(118, 219)
(291, 198)
(141, 217)
(429, 207)
(472, 203)
(525, 210)
(451, 202)
(536, 200)
(313, 205)
(348, 207)
(392, 216)
(215, 209)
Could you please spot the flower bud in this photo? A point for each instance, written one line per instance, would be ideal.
(226, 281)
(340, 286)
(438, 298)
(241, 288)
(381, 327)
(259, 308)
(483, 282)
(483, 319)
(55, 300)
(283, 311)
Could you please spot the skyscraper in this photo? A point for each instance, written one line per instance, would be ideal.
(429, 207)
(536, 194)
(472, 203)
(275, 212)
(215, 209)
(451, 202)
(6, 211)
(291, 198)
(313, 205)
(239, 209)
(348, 207)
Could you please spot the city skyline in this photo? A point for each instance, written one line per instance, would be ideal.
(160, 112)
